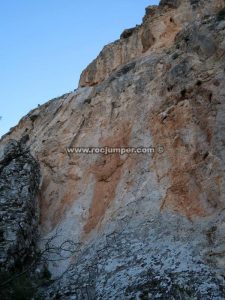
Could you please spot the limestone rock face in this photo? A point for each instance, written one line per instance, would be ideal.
(138, 226)
(158, 30)
(19, 180)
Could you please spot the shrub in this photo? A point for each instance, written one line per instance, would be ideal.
(221, 15)
(20, 288)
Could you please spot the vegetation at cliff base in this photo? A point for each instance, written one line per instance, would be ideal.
(221, 15)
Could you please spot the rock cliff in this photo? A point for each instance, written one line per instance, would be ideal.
(147, 225)
(19, 181)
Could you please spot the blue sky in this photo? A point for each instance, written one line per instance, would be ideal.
(45, 45)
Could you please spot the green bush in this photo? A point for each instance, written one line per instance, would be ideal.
(20, 288)
(221, 14)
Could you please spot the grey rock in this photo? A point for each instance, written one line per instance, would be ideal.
(221, 25)
(19, 181)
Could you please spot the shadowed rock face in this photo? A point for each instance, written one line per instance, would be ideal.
(139, 226)
(19, 180)
(171, 3)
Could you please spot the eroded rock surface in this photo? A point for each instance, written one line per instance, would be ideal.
(158, 30)
(139, 226)
(19, 181)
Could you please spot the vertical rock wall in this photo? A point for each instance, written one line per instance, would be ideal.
(19, 181)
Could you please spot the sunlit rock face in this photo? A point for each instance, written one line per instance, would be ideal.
(157, 32)
(139, 226)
